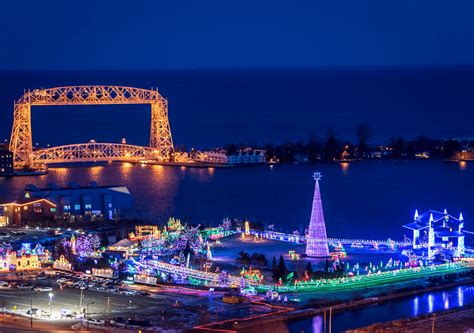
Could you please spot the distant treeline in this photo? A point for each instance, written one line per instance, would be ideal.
(332, 148)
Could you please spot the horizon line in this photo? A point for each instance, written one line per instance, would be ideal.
(251, 68)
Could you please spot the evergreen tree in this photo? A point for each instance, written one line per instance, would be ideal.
(330, 149)
(282, 270)
(104, 239)
(309, 269)
(363, 133)
(275, 274)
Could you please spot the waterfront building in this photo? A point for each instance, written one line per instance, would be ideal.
(218, 156)
(247, 156)
(465, 155)
(27, 210)
(6, 162)
(87, 203)
(439, 228)
(316, 239)
(74, 203)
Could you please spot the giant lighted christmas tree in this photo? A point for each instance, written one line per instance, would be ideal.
(316, 239)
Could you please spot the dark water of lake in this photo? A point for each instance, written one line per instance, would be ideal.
(254, 107)
(402, 308)
(366, 199)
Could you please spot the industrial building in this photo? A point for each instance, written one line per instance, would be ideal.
(247, 156)
(73, 203)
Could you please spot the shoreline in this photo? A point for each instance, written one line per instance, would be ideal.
(251, 325)
(454, 317)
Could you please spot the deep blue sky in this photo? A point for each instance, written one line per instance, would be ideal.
(162, 34)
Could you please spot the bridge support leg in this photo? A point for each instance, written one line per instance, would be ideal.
(160, 132)
(21, 144)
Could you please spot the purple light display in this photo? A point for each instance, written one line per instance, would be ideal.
(316, 239)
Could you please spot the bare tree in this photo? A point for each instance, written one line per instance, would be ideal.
(363, 132)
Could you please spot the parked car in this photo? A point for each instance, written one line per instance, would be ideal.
(4, 284)
(44, 289)
(25, 286)
(32, 311)
(96, 321)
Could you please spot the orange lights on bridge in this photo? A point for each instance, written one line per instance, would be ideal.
(161, 142)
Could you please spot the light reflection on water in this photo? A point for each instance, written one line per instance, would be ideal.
(281, 194)
(430, 302)
(411, 306)
(415, 306)
(318, 324)
(125, 169)
(345, 168)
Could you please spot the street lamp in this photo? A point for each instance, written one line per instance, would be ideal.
(87, 314)
(50, 305)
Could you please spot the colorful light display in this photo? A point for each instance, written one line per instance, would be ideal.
(174, 224)
(372, 279)
(62, 264)
(316, 240)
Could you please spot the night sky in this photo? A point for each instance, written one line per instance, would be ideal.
(164, 34)
(282, 67)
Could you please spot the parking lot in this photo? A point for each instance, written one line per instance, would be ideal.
(103, 300)
(68, 295)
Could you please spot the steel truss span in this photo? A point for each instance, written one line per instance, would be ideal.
(92, 152)
(21, 145)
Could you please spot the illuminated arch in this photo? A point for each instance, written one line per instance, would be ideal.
(21, 145)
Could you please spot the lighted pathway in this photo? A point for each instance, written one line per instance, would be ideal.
(364, 281)
(208, 277)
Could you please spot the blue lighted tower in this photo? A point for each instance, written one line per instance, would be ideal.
(316, 239)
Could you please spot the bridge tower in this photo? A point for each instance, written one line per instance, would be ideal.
(21, 141)
(316, 239)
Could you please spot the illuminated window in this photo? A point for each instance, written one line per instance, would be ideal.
(67, 207)
(88, 206)
(53, 210)
(77, 207)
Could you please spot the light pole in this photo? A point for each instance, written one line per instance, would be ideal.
(80, 301)
(50, 305)
(87, 314)
(108, 311)
(31, 313)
